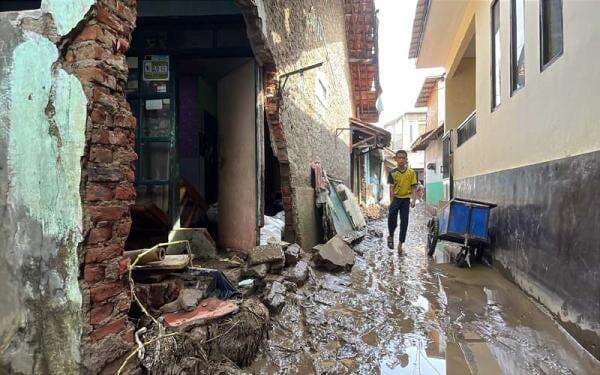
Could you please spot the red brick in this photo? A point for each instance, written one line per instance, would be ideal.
(101, 312)
(101, 253)
(123, 265)
(100, 154)
(128, 335)
(93, 273)
(125, 192)
(96, 192)
(106, 213)
(100, 235)
(109, 329)
(101, 173)
(123, 229)
(98, 116)
(106, 17)
(125, 120)
(124, 156)
(103, 292)
(90, 32)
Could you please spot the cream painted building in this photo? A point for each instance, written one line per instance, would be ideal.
(522, 116)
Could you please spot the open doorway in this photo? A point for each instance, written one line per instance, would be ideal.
(193, 89)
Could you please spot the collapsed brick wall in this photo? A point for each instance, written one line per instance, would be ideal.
(96, 55)
(287, 36)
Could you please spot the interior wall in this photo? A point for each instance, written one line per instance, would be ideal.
(237, 158)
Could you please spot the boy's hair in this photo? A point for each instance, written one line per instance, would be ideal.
(401, 152)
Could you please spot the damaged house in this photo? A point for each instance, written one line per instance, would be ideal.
(122, 120)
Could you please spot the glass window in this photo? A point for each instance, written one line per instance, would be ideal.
(156, 120)
(155, 161)
(518, 44)
(495, 54)
(551, 30)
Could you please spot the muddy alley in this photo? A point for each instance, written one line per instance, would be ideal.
(407, 314)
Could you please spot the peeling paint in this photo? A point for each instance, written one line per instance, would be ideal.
(67, 13)
(45, 172)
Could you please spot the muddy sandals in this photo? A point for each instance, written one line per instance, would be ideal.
(391, 242)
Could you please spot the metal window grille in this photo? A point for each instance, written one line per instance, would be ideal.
(466, 130)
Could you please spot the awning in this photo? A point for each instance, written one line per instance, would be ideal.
(426, 90)
(365, 134)
(423, 141)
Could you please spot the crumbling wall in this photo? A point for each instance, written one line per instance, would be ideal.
(61, 75)
(305, 112)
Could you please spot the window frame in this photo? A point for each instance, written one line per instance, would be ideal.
(513, 44)
(543, 65)
(494, 106)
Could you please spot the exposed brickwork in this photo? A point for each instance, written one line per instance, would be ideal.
(96, 55)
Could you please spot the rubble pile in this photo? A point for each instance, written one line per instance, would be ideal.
(374, 211)
(197, 307)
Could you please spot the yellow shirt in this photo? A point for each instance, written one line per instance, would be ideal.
(402, 182)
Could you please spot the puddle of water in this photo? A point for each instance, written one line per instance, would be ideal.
(414, 360)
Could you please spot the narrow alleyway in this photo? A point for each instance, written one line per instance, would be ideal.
(412, 315)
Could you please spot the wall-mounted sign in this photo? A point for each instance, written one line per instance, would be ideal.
(156, 68)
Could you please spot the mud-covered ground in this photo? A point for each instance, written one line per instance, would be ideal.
(407, 314)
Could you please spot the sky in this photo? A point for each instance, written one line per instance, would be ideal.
(400, 81)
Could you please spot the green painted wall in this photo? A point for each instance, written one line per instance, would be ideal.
(43, 114)
(434, 193)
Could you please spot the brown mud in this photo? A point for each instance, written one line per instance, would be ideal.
(409, 314)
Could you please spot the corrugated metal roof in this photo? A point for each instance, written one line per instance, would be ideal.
(419, 24)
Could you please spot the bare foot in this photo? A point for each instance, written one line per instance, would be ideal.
(400, 248)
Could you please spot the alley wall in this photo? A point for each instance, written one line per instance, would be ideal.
(313, 104)
(536, 155)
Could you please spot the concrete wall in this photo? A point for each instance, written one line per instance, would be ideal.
(237, 158)
(42, 138)
(557, 105)
(536, 155)
(298, 34)
(460, 93)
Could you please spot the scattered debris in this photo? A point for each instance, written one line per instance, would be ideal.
(298, 273)
(208, 309)
(187, 300)
(202, 245)
(275, 297)
(334, 255)
(374, 211)
(354, 237)
(293, 254)
(376, 232)
(154, 254)
(260, 271)
(272, 253)
(169, 263)
(272, 231)
(351, 206)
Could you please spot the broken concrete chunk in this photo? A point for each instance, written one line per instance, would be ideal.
(334, 255)
(299, 273)
(354, 237)
(259, 270)
(187, 300)
(272, 253)
(292, 254)
(275, 298)
(201, 243)
(270, 278)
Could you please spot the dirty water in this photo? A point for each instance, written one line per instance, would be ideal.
(409, 314)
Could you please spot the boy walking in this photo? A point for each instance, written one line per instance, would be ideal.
(402, 195)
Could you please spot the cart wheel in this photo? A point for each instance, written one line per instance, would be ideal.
(463, 258)
(432, 236)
